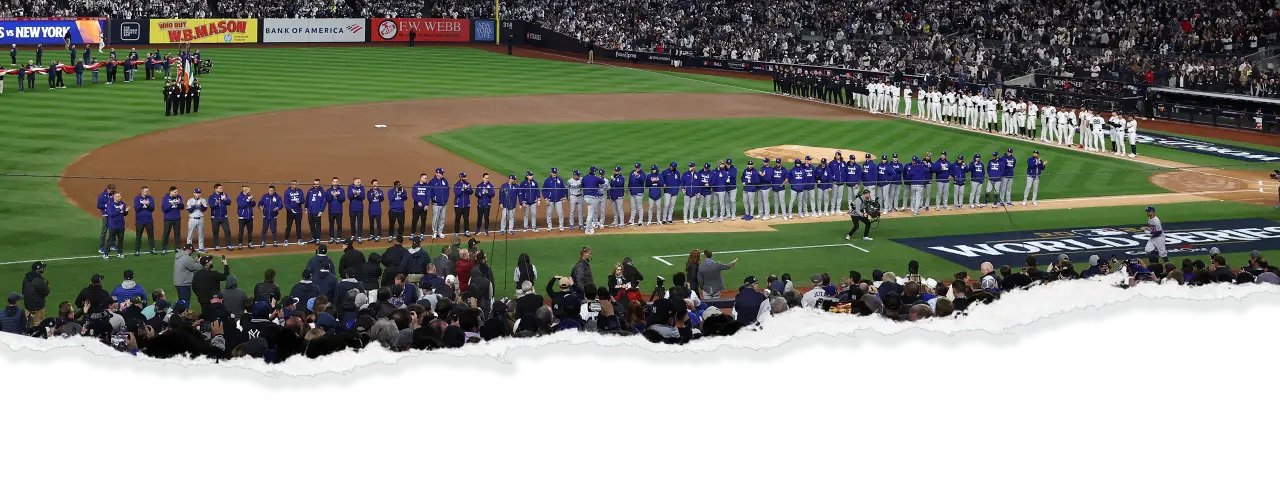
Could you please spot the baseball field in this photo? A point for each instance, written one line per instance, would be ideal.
(271, 115)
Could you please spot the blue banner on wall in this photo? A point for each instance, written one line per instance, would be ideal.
(483, 31)
(1185, 238)
(52, 33)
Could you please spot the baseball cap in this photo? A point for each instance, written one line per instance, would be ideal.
(619, 168)
(1010, 150)
(577, 172)
(693, 164)
(706, 165)
(196, 191)
(322, 249)
(995, 154)
(462, 175)
(1212, 251)
(654, 168)
(728, 161)
(511, 177)
(128, 274)
(593, 170)
(564, 283)
(1093, 260)
(96, 279)
(217, 296)
(750, 162)
(37, 265)
(895, 154)
(439, 170)
(14, 297)
(750, 280)
(673, 164)
(638, 165)
(161, 305)
(1255, 254)
(553, 171)
(473, 242)
(530, 173)
(306, 273)
(1064, 258)
(943, 153)
(203, 260)
(181, 306)
(1151, 208)
(1035, 152)
(816, 278)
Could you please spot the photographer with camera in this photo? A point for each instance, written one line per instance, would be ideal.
(864, 210)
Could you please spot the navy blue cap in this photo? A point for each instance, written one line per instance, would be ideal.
(944, 153)
(593, 170)
(807, 158)
(1151, 209)
(553, 171)
(462, 175)
(637, 165)
(197, 191)
(693, 164)
(1010, 149)
(439, 170)
(654, 168)
(868, 155)
(706, 165)
(884, 157)
(728, 161)
(511, 176)
(1035, 152)
(995, 154)
(823, 159)
(895, 155)
(617, 168)
(777, 159)
(528, 173)
(577, 172)
(960, 157)
(750, 162)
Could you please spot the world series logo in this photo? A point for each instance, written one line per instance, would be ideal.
(484, 31)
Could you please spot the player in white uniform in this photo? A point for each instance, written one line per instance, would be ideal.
(935, 105)
(1094, 131)
(906, 95)
(1060, 137)
(1032, 113)
(895, 99)
(884, 97)
(990, 115)
(1086, 129)
(1050, 123)
(1155, 244)
(1117, 134)
(921, 102)
(1131, 133)
(1019, 118)
(1071, 130)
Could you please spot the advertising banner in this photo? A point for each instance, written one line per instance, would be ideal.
(484, 31)
(51, 32)
(428, 30)
(313, 30)
(513, 29)
(130, 31)
(539, 36)
(204, 31)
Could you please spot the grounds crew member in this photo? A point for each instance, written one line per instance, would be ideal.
(859, 215)
(293, 202)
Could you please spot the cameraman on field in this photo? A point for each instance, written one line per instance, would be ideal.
(864, 209)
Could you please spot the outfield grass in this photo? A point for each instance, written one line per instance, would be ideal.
(557, 256)
(515, 148)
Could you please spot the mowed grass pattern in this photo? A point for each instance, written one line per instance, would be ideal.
(43, 131)
(515, 148)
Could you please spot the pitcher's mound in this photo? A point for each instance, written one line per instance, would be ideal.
(790, 153)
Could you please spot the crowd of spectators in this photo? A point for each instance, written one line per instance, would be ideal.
(403, 298)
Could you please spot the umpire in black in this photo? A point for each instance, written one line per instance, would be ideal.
(860, 214)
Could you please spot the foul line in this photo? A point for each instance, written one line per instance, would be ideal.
(660, 258)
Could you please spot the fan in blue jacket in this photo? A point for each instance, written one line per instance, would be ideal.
(245, 203)
(129, 289)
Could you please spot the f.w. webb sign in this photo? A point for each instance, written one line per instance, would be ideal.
(1184, 238)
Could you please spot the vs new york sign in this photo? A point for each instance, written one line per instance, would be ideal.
(1184, 238)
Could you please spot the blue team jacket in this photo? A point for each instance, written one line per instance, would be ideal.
(977, 171)
(553, 189)
(671, 181)
(1010, 166)
(271, 205)
(462, 192)
(219, 206)
(528, 191)
(704, 182)
(439, 191)
(617, 186)
(750, 180)
(356, 195)
(293, 201)
(421, 195)
(484, 194)
(375, 197)
(591, 185)
(104, 199)
(396, 199)
(995, 168)
(144, 207)
(958, 170)
(870, 173)
(335, 196)
(171, 206)
(509, 196)
(852, 173)
(1035, 166)
(244, 206)
(636, 182)
(316, 200)
(115, 215)
(689, 181)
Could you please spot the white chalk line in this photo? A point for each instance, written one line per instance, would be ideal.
(917, 119)
(660, 258)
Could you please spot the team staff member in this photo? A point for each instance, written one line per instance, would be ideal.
(293, 203)
(1035, 167)
(917, 178)
(766, 189)
(574, 186)
(220, 207)
(617, 188)
(484, 202)
(439, 197)
(196, 208)
(104, 199)
(655, 183)
(689, 182)
(375, 196)
(317, 200)
(995, 172)
(859, 215)
(958, 172)
(670, 192)
(508, 199)
(144, 206)
(528, 197)
(356, 196)
(396, 199)
(977, 172)
(750, 188)
(733, 189)
(334, 196)
(244, 211)
(271, 204)
(554, 191)
(462, 192)
(635, 189)
(117, 210)
(777, 187)
(1006, 182)
(421, 200)
(171, 211)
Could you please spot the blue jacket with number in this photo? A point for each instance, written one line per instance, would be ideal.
(244, 206)
(995, 168)
(689, 181)
(115, 215)
(376, 197)
(1010, 165)
(796, 177)
(900, 171)
(750, 180)
(852, 173)
(421, 195)
(870, 173)
(977, 171)
(705, 181)
(335, 196)
(958, 171)
(316, 200)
